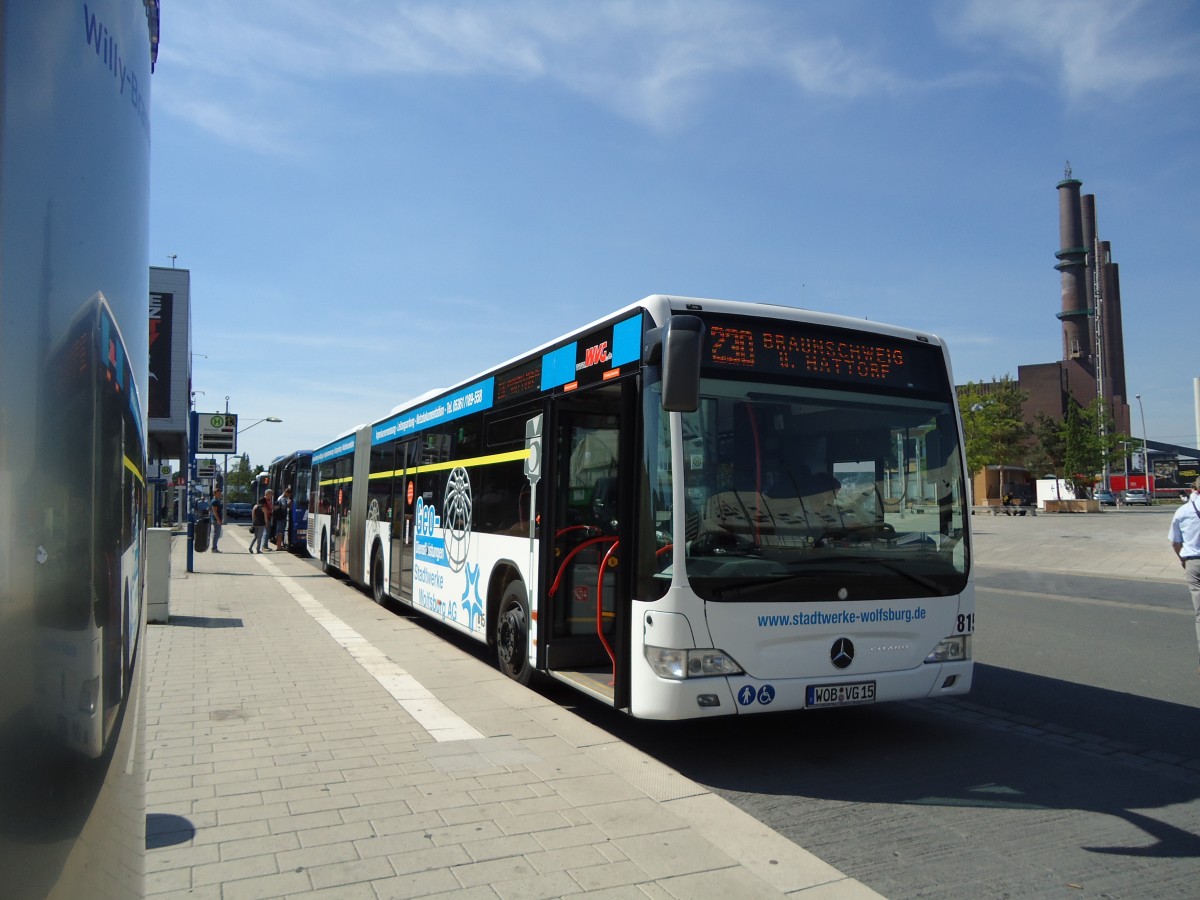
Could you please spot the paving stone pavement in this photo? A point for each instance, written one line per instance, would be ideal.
(302, 741)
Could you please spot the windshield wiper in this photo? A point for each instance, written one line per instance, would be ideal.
(832, 562)
(928, 583)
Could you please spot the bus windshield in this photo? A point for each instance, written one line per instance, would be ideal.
(799, 492)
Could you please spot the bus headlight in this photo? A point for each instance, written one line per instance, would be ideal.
(89, 696)
(668, 662)
(951, 649)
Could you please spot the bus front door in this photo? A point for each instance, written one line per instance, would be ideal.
(587, 591)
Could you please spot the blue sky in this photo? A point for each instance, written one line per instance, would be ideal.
(377, 198)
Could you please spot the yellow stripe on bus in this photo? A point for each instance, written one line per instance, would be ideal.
(493, 459)
(490, 460)
(132, 467)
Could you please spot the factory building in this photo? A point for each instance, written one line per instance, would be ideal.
(1093, 348)
(1092, 365)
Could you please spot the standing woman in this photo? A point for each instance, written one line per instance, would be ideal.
(268, 505)
(258, 525)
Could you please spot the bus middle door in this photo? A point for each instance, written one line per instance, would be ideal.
(404, 497)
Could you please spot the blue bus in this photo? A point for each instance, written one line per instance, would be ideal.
(293, 471)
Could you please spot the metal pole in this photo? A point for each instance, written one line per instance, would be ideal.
(1145, 447)
(194, 422)
(1098, 321)
(225, 473)
(1196, 398)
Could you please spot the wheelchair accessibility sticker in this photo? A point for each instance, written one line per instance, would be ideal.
(764, 695)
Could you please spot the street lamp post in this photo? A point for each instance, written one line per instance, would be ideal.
(1145, 447)
(259, 422)
(225, 480)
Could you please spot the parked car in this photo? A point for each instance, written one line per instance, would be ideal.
(1106, 497)
(1135, 496)
(238, 510)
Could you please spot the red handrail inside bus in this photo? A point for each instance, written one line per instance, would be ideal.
(562, 567)
(600, 611)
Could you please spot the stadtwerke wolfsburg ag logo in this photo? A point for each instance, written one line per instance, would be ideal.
(456, 518)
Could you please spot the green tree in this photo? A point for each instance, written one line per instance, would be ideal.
(1081, 459)
(1050, 446)
(1074, 448)
(239, 481)
(994, 426)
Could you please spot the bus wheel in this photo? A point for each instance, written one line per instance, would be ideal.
(324, 553)
(377, 587)
(512, 635)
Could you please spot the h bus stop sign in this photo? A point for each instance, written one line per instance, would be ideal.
(533, 443)
(217, 433)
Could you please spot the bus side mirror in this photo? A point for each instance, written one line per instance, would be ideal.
(681, 344)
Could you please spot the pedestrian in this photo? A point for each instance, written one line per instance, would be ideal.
(217, 510)
(1185, 540)
(279, 519)
(258, 525)
(268, 504)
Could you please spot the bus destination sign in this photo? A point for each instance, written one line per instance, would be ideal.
(799, 350)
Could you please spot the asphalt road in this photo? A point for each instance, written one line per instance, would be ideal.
(1113, 657)
(1072, 769)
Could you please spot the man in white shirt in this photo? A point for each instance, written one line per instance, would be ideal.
(1185, 540)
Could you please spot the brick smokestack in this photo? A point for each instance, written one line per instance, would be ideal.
(1072, 257)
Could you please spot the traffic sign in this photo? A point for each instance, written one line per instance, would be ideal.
(217, 433)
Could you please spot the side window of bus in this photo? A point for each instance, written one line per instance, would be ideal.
(324, 490)
(343, 469)
(435, 448)
(501, 498)
(380, 483)
(466, 440)
(502, 493)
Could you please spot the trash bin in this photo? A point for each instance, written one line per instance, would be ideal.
(200, 536)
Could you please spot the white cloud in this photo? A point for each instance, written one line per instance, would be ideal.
(233, 123)
(1114, 48)
(253, 80)
(650, 62)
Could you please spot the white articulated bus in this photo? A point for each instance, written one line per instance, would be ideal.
(688, 508)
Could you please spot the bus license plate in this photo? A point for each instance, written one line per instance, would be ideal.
(841, 694)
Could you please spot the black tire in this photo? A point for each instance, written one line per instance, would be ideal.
(325, 553)
(512, 635)
(378, 588)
